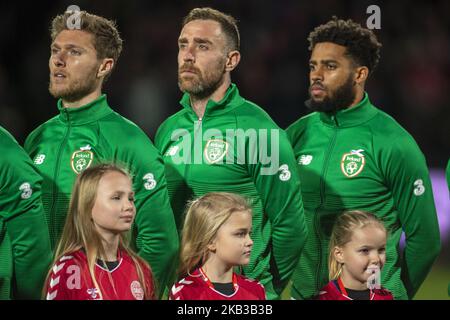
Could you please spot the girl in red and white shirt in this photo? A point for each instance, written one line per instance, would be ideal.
(93, 260)
(215, 239)
(357, 255)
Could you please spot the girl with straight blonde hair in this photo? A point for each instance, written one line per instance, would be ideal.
(215, 239)
(357, 255)
(93, 260)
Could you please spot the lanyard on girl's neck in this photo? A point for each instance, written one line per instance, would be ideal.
(209, 283)
(342, 288)
(344, 292)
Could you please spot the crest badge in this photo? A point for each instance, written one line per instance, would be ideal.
(81, 159)
(136, 290)
(215, 150)
(353, 163)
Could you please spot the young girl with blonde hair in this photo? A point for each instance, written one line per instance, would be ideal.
(93, 260)
(215, 239)
(356, 257)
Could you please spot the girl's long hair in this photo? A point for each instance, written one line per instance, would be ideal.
(204, 217)
(80, 233)
(342, 233)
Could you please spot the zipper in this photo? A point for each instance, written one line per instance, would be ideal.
(56, 173)
(197, 128)
(322, 200)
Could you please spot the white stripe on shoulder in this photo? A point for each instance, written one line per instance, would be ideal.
(54, 282)
(184, 281)
(58, 267)
(64, 258)
(176, 289)
(52, 295)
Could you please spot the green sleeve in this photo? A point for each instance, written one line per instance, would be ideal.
(156, 237)
(407, 176)
(22, 212)
(282, 200)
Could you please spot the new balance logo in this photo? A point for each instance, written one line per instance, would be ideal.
(305, 159)
(39, 159)
(172, 151)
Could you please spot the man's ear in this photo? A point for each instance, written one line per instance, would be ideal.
(361, 75)
(338, 254)
(233, 59)
(105, 67)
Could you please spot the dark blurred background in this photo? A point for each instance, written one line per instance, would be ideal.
(412, 82)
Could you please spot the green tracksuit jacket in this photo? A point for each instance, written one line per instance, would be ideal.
(25, 253)
(361, 158)
(224, 151)
(78, 138)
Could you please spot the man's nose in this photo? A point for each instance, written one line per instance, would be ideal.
(316, 75)
(59, 59)
(188, 55)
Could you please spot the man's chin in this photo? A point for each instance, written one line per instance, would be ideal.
(66, 95)
(56, 93)
(320, 105)
(189, 87)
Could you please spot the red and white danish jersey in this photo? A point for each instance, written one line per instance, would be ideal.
(332, 292)
(70, 280)
(198, 287)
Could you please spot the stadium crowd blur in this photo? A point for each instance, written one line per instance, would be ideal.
(411, 83)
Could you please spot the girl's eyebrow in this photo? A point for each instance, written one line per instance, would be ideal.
(123, 192)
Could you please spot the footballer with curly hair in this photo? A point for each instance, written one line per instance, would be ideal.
(351, 155)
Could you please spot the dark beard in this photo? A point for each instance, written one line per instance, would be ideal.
(204, 86)
(203, 90)
(342, 98)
